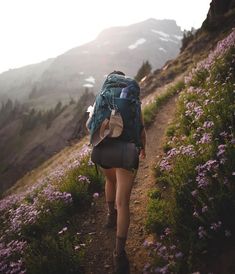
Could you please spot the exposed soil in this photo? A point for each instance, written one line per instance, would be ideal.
(102, 241)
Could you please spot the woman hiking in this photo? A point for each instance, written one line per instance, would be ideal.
(118, 143)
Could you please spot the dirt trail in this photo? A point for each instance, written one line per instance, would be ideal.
(101, 244)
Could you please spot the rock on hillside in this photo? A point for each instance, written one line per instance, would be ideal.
(217, 14)
(123, 48)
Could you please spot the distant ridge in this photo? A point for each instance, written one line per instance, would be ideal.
(67, 75)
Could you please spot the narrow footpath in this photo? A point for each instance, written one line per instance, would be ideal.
(101, 241)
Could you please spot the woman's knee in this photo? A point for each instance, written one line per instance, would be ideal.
(122, 202)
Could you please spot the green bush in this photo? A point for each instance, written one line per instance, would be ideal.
(170, 131)
(158, 209)
(82, 182)
(54, 254)
(148, 113)
(155, 194)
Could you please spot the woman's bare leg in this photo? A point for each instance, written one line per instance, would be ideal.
(125, 180)
(110, 187)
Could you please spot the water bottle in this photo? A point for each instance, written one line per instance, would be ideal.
(125, 92)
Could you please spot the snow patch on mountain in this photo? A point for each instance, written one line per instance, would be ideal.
(178, 37)
(166, 37)
(162, 49)
(160, 33)
(90, 79)
(88, 85)
(137, 43)
(168, 40)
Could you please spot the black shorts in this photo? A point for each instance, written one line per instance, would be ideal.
(114, 153)
(105, 167)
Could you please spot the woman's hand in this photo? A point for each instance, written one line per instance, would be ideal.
(142, 154)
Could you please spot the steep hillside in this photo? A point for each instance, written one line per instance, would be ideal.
(67, 75)
(27, 142)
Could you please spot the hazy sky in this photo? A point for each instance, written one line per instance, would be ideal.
(32, 31)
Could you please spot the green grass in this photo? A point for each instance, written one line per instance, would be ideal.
(150, 111)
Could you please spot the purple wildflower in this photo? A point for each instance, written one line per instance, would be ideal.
(10, 257)
(202, 232)
(63, 230)
(178, 255)
(194, 193)
(206, 139)
(165, 165)
(215, 226)
(96, 195)
(167, 231)
(84, 179)
(208, 124)
(221, 150)
(162, 270)
(204, 209)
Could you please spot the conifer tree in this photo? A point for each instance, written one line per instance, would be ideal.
(143, 71)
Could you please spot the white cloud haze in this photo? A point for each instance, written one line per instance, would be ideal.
(35, 30)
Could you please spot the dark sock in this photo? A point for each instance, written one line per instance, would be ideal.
(111, 208)
(120, 244)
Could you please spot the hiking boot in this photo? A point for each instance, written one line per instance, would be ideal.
(121, 263)
(111, 220)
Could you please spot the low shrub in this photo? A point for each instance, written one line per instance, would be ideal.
(57, 253)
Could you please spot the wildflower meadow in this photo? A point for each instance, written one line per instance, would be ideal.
(36, 235)
(192, 207)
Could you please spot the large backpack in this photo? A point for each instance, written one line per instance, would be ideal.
(129, 107)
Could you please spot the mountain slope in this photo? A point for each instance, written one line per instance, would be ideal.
(66, 76)
(24, 149)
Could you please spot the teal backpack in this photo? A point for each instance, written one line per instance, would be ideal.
(122, 94)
